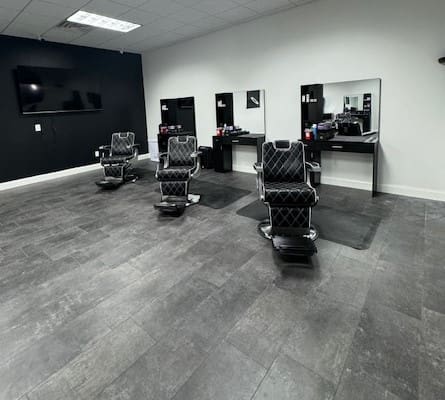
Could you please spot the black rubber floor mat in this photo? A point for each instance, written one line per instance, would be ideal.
(339, 226)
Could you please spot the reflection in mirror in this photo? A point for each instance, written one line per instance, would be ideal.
(240, 112)
(178, 116)
(342, 108)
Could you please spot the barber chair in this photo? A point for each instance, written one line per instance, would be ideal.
(175, 170)
(116, 160)
(284, 186)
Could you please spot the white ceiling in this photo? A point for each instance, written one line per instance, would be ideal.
(164, 22)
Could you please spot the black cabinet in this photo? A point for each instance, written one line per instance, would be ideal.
(222, 148)
(222, 154)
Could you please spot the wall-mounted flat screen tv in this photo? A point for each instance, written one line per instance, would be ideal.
(44, 90)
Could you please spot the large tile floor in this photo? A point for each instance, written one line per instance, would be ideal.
(100, 298)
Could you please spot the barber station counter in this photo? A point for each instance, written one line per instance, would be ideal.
(222, 148)
(368, 144)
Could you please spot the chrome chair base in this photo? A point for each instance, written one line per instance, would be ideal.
(193, 199)
(265, 230)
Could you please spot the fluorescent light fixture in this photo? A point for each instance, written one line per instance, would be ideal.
(100, 21)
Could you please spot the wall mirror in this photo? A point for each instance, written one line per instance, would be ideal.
(178, 115)
(342, 108)
(242, 111)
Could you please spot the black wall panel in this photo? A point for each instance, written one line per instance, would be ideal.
(67, 140)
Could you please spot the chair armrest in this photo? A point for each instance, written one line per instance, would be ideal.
(163, 162)
(196, 155)
(258, 167)
(135, 148)
(313, 166)
(103, 151)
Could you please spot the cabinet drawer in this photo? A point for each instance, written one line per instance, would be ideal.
(347, 147)
(244, 141)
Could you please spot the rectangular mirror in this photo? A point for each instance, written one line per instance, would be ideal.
(178, 115)
(241, 112)
(342, 108)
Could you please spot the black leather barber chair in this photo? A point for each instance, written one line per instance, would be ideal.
(175, 170)
(117, 160)
(284, 186)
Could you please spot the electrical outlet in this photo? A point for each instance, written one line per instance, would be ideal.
(37, 128)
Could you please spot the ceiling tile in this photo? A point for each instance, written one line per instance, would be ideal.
(131, 3)
(14, 4)
(215, 6)
(35, 21)
(96, 37)
(106, 7)
(15, 29)
(189, 15)
(163, 8)
(61, 35)
(211, 22)
(238, 14)
(70, 3)
(190, 30)
(188, 3)
(266, 6)
(46, 9)
(8, 13)
(163, 21)
(139, 17)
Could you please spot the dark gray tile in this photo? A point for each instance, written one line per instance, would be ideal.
(160, 372)
(25, 370)
(225, 374)
(55, 388)
(90, 372)
(398, 287)
(434, 288)
(266, 325)
(348, 282)
(322, 337)
(360, 386)
(157, 317)
(432, 359)
(289, 380)
(387, 347)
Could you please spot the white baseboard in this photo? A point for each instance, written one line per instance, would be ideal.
(55, 175)
(410, 191)
(244, 168)
(350, 183)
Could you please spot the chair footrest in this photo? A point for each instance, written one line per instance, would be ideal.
(294, 246)
(110, 182)
(170, 207)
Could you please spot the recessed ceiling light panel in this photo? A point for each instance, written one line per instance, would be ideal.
(100, 21)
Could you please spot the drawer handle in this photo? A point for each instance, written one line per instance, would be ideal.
(336, 147)
(235, 141)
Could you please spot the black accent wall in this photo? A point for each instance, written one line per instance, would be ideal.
(67, 140)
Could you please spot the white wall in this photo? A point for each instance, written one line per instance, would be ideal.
(326, 41)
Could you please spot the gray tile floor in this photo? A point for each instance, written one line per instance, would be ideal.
(101, 298)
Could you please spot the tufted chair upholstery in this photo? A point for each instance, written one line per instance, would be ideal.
(117, 157)
(284, 187)
(179, 166)
(121, 149)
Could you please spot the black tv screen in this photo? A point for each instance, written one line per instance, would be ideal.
(54, 90)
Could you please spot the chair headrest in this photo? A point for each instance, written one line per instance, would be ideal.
(282, 144)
